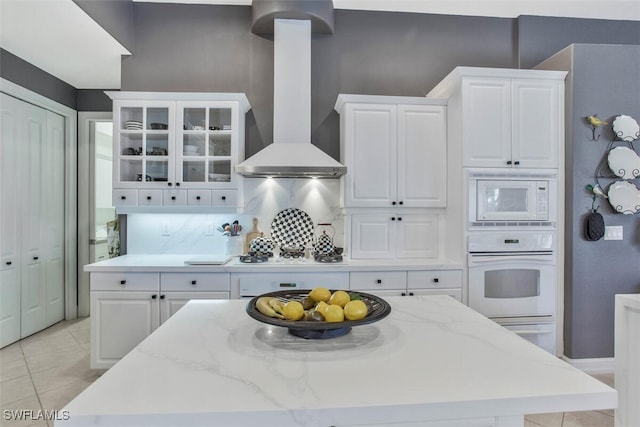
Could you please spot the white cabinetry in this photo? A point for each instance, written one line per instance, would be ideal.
(394, 149)
(408, 283)
(505, 118)
(31, 218)
(127, 307)
(177, 149)
(394, 235)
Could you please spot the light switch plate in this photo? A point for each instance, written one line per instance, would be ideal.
(613, 232)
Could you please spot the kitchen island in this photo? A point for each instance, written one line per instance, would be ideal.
(432, 361)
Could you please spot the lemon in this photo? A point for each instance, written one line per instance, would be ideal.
(334, 313)
(320, 294)
(322, 307)
(340, 298)
(293, 310)
(355, 310)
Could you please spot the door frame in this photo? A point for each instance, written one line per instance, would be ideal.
(85, 180)
(70, 187)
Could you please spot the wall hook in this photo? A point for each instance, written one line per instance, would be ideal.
(595, 123)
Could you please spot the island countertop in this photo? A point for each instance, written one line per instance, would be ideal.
(431, 359)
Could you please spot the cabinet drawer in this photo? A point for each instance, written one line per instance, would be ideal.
(194, 281)
(125, 281)
(378, 280)
(223, 198)
(434, 279)
(122, 197)
(199, 197)
(174, 197)
(150, 197)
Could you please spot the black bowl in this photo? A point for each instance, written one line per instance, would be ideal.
(319, 330)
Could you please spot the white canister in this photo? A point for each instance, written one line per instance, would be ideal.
(233, 245)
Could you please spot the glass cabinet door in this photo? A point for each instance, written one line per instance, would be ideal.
(206, 145)
(144, 145)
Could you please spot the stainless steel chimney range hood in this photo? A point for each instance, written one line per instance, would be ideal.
(292, 155)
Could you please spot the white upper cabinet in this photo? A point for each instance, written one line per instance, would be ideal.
(508, 118)
(394, 149)
(176, 142)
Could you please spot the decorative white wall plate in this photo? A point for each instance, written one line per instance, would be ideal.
(624, 197)
(626, 128)
(624, 162)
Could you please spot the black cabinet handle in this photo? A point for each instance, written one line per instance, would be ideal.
(123, 197)
(379, 281)
(162, 296)
(193, 282)
(509, 162)
(224, 197)
(169, 184)
(177, 184)
(393, 218)
(517, 162)
(148, 197)
(122, 282)
(393, 203)
(154, 296)
(399, 218)
(35, 258)
(8, 262)
(197, 197)
(401, 203)
(173, 197)
(436, 280)
(403, 294)
(410, 294)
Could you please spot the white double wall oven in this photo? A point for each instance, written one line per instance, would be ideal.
(512, 251)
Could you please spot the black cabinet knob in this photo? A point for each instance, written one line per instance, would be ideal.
(122, 282)
(436, 280)
(224, 197)
(148, 197)
(8, 262)
(517, 162)
(403, 294)
(173, 197)
(154, 296)
(509, 162)
(123, 197)
(169, 184)
(401, 203)
(410, 294)
(399, 218)
(379, 281)
(162, 296)
(193, 282)
(177, 184)
(35, 258)
(393, 218)
(197, 197)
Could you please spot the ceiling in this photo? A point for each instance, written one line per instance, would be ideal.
(60, 38)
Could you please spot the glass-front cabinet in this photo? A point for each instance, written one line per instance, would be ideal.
(175, 142)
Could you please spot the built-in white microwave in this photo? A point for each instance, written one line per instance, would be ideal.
(501, 201)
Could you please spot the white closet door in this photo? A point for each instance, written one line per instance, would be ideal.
(54, 208)
(9, 223)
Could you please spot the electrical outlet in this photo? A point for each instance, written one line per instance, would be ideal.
(165, 229)
(613, 232)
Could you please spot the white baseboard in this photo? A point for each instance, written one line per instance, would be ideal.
(604, 365)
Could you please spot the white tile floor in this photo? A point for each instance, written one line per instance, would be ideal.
(47, 370)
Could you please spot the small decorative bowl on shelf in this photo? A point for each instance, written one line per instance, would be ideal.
(377, 309)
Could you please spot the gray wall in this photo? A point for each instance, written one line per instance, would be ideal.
(596, 271)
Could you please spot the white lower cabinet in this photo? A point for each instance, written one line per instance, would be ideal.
(408, 283)
(388, 236)
(127, 307)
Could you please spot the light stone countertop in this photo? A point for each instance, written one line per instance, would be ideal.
(176, 263)
(432, 358)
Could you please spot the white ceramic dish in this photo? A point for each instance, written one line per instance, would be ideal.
(624, 162)
(190, 149)
(626, 128)
(219, 177)
(624, 197)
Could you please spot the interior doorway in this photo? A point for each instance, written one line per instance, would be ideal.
(95, 208)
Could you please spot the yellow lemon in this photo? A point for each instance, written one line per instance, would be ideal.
(334, 313)
(320, 294)
(322, 307)
(340, 298)
(355, 310)
(293, 310)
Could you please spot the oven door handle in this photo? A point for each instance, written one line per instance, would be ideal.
(481, 259)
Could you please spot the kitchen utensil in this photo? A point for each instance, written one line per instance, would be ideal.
(324, 233)
(319, 330)
(292, 228)
(255, 232)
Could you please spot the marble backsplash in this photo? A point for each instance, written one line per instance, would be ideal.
(160, 233)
